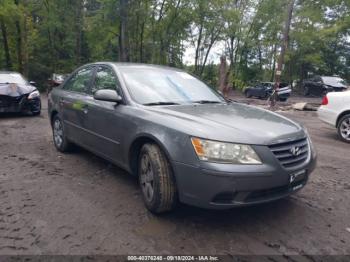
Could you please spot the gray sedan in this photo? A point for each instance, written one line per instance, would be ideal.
(183, 141)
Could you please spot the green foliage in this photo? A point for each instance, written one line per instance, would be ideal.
(47, 36)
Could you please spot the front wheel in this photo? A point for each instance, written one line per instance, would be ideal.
(156, 180)
(36, 113)
(344, 128)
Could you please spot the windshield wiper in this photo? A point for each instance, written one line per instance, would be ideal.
(206, 102)
(161, 104)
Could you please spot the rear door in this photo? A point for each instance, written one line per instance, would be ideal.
(73, 104)
(105, 119)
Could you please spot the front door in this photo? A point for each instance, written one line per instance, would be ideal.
(105, 122)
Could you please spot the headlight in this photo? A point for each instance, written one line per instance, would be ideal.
(34, 94)
(220, 152)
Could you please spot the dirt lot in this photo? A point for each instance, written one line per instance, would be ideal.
(80, 204)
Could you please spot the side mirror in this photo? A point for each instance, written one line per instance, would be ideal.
(107, 95)
(32, 83)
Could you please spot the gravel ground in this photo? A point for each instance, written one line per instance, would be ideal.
(79, 204)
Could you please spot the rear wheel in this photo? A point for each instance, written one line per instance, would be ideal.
(344, 128)
(59, 137)
(283, 99)
(306, 90)
(156, 180)
(248, 94)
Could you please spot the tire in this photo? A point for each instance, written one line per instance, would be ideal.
(37, 113)
(59, 138)
(306, 90)
(156, 180)
(283, 99)
(344, 128)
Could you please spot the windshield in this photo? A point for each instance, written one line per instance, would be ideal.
(12, 78)
(333, 80)
(161, 86)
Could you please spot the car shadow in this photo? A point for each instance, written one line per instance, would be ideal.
(237, 215)
(15, 115)
(184, 214)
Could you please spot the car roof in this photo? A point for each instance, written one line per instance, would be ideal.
(135, 65)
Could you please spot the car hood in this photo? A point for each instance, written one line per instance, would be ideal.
(15, 90)
(336, 85)
(232, 122)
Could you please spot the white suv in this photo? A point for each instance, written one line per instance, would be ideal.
(335, 110)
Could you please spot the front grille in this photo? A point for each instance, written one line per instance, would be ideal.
(8, 101)
(284, 152)
(274, 192)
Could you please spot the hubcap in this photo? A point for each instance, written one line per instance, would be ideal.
(345, 129)
(58, 133)
(147, 178)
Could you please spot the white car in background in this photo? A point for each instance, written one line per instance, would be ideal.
(335, 110)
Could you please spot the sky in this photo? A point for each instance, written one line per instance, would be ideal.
(214, 55)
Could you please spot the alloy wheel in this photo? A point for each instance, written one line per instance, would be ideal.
(147, 178)
(345, 129)
(58, 133)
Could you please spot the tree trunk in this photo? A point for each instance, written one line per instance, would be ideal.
(19, 43)
(222, 73)
(141, 41)
(79, 31)
(283, 50)
(197, 55)
(25, 47)
(274, 62)
(5, 43)
(123, 51)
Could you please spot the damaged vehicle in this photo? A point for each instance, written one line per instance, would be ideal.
(264, 90)
(182, 139)
(321, 85)
(17, 95)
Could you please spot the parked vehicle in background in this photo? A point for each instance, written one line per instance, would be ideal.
(335, 110)
(264, 90)
(56, 80)
(321, 85)
(182, 139)
(18, 95)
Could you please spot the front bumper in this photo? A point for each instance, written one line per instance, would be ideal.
(226, 187)
(284, 93)
(19, 104)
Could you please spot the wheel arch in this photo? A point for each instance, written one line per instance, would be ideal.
(135, 149)
(52, 115)
(347, 112)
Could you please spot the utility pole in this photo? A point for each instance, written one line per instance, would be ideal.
(284, 47)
